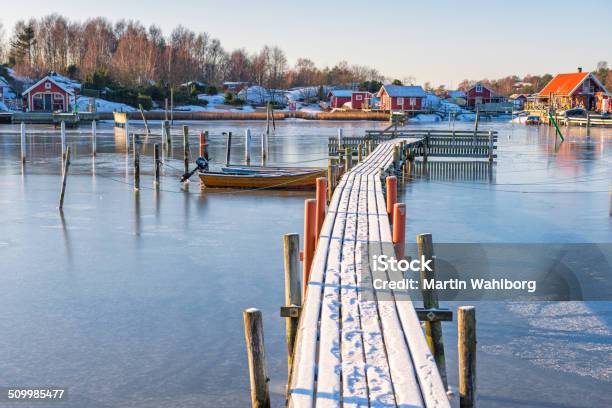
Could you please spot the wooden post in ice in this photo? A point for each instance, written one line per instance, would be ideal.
(167, 132)
(433, 330)
(228, 148)
(490, 145)
(94, 136)
(136, 161)
(256, 355)
(330, 179)
(63, 138)
(156, 164)
(127, 132)
(247, 146)
(466, 339)
(263, 148)
(293, 290)
(340, 140)
(23, 142)
(64, 178)
(166, 109)
(391, 190)
(186, 149)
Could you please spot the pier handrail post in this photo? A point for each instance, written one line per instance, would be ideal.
(490, 145)
(293, 290)
(321, 196)
(156, 163)
(23, 142)
(391, 190)
(433, 330)
(466, 343)
(399, 229)
(186, 149)
(64, 178)
(310, 215)
(359, 153)
(94, 137)
(256, 355)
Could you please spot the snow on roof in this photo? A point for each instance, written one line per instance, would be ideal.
(404, 90)
(66, 84)
(342, 93)
(456, 94)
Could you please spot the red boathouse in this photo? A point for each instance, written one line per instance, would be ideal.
(47, 96)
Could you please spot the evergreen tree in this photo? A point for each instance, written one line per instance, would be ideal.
(23, 41)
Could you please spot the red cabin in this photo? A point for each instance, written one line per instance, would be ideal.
(479, 94)
(360, 99)
(47, 96)
(338, 97)
(576, 89)
(401, 98)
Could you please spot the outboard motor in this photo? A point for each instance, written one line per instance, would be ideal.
(201, 165)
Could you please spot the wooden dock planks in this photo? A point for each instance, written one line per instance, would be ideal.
(351, 353)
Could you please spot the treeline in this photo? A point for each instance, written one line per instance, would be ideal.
(132, 55)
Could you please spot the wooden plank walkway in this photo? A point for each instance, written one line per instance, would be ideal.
(351, 353)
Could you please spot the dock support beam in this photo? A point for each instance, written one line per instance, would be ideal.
(391, 196)
(136, 162)
(293, 291)
(310, 230)
(256, 354)
(433, 330)
(466, 321)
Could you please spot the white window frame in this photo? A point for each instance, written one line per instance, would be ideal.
(412, 101)
(359, 97)
(400, 101)
(478, 88)
(47, 85)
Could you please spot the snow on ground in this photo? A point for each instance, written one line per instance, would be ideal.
(466, 117)
(103, 105)
(259, 95)
(6, 89)
(303, 93)
(212, 100)
(423, 117)
(431, 100)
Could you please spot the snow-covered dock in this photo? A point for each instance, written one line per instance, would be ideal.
(355, 353)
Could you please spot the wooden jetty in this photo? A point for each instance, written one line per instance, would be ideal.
(352, 353)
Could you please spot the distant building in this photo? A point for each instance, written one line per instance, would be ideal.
(518, 100)
(576, 89)
(361, 100)
(48, 95)
(338, 97)
(235, 86)
(455, 94)
(401, 97)
(479, 94)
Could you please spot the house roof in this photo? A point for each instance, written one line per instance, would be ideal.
(48, 78)
(403, 91)
(484, 86)
(564, 84)
(516, 96)
(456, 94)
(342, 93)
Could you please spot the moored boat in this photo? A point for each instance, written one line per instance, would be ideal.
(262, 178)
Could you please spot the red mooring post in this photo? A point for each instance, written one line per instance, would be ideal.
(321, 204)
(310, 231)
(391, 196)
(399, 229)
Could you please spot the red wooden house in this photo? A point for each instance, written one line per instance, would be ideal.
(360, 99)
(576, 89)
(338, 97)
(47, 96)
(401, 98)
(479, 94)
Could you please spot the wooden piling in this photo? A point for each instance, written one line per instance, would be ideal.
(433, 330)
(466, 339)
(247, 146)
(228, 148)
(202, 151)
(310, 230)
(391, 189)
(156, 163)
(64, 178)
(23, 142)
(186, 149)
(94, 137)
(136, 161)
(399, 229)
(330, 180)
(293, 290)
(63, 138)
(359, 153)
(490, 145)
(321, 197)
(256, 355)
(396, 158)
(348, 159)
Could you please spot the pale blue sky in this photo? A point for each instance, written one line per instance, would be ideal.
(438, 41)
